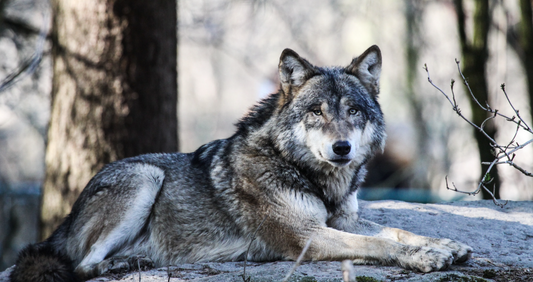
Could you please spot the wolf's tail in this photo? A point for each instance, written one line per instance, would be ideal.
(41, 263)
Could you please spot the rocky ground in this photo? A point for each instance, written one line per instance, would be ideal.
(502, 239)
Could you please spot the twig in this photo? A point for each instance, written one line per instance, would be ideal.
(455, 107)
(139, 265)
(348, 271)
(457, 62)
(454, 104)
(299, 260)
(526, 127)
(500, 151)
(457, 190)
(248, 250)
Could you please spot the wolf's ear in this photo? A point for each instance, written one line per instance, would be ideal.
(367, 68)
(293, 70)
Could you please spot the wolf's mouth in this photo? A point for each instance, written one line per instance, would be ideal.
(340, 161)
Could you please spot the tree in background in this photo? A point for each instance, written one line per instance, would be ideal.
(520, 38)
(114, 92)
(414, 42)
(475, 55)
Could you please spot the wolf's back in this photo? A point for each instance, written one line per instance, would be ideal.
(41, 263)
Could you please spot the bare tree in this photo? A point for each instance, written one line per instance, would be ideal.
(114, 92)
(503, 153)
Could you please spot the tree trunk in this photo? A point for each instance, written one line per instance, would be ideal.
(520, 38)
(475, 56)
(526, 44)
(114, 92)
(413, 14)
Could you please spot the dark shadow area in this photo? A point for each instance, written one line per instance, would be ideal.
(19, 219)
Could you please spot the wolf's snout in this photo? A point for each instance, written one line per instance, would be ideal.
(342, 148)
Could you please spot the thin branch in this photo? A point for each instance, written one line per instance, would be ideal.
(440, 90)
(526, 126)
(490, 110)
(482, 126)
(465, 81)
(455, 107)
(248, 250)
(512, 141)
(523, 171)
(299, 260)
(348, 271)
(139, 266)
(511, 163)
(519, 147)
(457, 190)
(507, 151)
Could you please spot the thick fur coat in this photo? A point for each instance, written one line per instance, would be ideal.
(290, 172)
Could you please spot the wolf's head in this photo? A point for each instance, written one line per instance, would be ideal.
(329, 117)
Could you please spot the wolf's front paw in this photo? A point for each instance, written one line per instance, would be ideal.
(427, 259)
(460, 251)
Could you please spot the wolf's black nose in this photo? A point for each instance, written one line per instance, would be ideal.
(342, 148)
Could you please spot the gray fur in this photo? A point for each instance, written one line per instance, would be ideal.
(295, 164)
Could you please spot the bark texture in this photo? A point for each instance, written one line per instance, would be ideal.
(114, 92)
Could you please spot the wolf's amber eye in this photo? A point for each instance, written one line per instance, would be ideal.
(352, 111)
(317, 112)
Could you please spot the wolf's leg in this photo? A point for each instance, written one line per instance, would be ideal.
(139, 188)
(332, 244)
(347, 219)
(353, 224)
(460, 251)
(297, 217)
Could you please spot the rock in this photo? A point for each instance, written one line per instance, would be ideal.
(502, 239)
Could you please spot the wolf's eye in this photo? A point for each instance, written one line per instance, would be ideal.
(317, 112)
(352, 111)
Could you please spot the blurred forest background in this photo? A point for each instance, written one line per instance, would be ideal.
(227, 58)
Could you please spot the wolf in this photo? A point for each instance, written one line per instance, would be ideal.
(288, 176)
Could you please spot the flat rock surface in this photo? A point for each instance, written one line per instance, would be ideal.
(502, 239)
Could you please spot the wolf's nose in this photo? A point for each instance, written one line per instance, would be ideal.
(342, 148)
